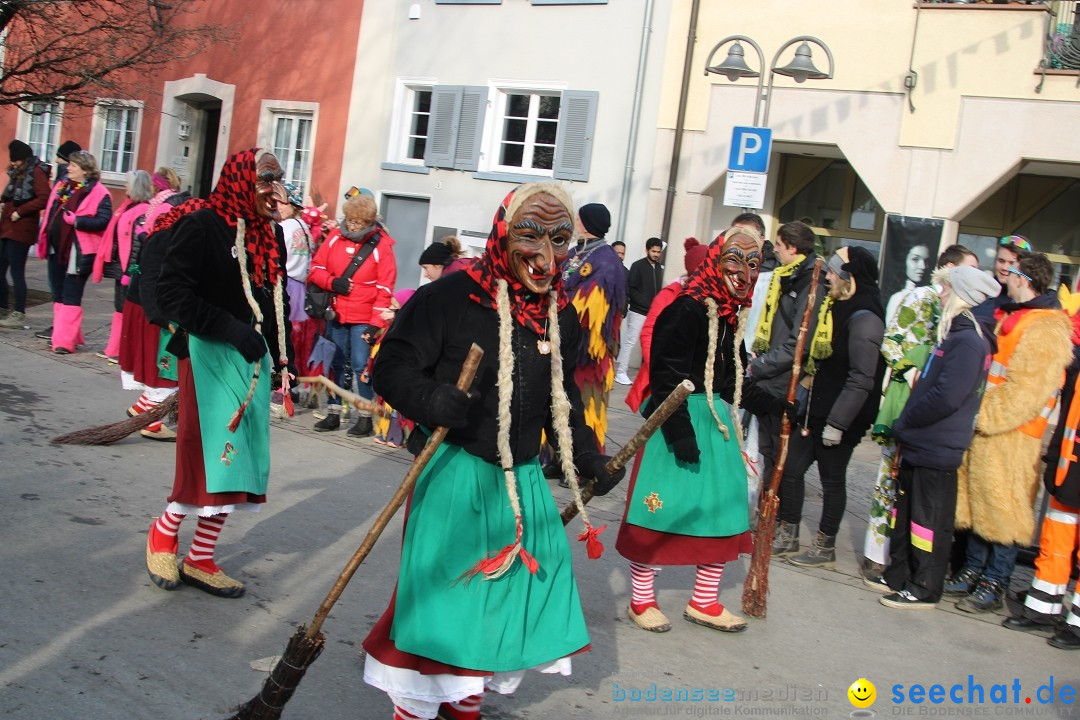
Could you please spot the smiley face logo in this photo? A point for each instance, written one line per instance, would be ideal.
(862, 693)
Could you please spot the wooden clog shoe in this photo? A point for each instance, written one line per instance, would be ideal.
(652, 619)
(215, 583)
(726, 621)
(162, 567)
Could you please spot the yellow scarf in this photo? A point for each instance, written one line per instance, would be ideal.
(772, 303)
(821, 345)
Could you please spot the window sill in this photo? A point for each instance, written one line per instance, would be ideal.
(403, 167)
(516, 178)
(983, 6)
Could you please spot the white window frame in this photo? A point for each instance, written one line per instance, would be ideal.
(97, 137)
(405, 91)
(25, 124)
(493, 124)
(269, 112)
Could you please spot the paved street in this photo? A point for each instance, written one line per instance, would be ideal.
(85, 634)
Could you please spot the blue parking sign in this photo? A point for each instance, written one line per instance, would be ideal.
(750, 149)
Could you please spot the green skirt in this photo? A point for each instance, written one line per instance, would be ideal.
(706, 499)
(460, 514)
(235, 461)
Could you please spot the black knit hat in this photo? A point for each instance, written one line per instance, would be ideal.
(595, 218)
(18, 150)
(436, 254)
(68, 147)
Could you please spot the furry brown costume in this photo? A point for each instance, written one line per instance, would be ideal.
(1000, 473)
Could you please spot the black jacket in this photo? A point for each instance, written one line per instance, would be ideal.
(679, 350)
(427, 344)
(199, 286)
(771, 370)
(645, 279)
(938, 421)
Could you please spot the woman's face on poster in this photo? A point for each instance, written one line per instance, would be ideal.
(917, 264)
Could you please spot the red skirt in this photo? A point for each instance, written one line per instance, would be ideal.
(189, 483)
(139, 347)
(651, 547)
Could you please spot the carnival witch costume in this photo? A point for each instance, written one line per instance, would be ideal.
(687, 503)
(466, 615)
(221, 283)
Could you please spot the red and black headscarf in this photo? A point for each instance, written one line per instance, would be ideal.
(234, 197)
(527, 309)
(707, 281)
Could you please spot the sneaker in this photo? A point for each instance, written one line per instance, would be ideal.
(45, 334)
(319, 414)
(988, 595)
(877, 584)
(904, 600)
(623, 379)
(962, 583)
(14, 320)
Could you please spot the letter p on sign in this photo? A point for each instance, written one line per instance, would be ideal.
(750, 149)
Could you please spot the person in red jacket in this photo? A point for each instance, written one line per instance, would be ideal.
(24, 198)
(358, 302)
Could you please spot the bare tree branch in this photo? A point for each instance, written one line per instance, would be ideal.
(80, 50)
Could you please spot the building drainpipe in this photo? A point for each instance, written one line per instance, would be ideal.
(680, 123)
(635, 120)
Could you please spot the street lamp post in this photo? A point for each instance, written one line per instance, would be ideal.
(800, 69)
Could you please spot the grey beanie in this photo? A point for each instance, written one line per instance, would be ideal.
(972, 285)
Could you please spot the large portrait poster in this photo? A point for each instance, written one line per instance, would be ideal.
(908, 258)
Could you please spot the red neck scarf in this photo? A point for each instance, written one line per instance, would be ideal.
(527, 309)
(707, 281)
(233, 198)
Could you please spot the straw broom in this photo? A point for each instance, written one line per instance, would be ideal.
(654, 421)
(108, 434)
(756, 586)
(307, 642)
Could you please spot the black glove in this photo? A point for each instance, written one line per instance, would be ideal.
(686, 450)
(250, 343)
(340, 285)
(449, 407)
(593, 466)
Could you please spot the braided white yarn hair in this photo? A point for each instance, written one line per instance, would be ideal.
(710, 365)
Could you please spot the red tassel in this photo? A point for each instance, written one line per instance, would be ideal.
(289, 404)
(591, 537)
(237, 416)
(529, 560)
(490, 564)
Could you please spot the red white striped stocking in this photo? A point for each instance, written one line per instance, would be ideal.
(402, 714)
(707, 589)
(201, 553)
(465, 709)
(643, 590)
(163, 533)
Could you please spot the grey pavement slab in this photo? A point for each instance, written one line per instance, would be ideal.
(85, 634)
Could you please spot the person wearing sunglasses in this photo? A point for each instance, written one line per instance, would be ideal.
(999, 477)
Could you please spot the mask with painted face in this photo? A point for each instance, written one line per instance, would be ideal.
(729, 271)
(530, 236)
(268, 188)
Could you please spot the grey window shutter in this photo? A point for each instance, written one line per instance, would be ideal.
(443, 126)
(573, 147)
(470, 127)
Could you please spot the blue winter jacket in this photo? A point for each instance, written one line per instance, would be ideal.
(938, 421)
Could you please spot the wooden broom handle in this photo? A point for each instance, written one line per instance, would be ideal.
(465, 379)
(651, 424)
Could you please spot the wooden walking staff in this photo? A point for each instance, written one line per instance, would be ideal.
(352, 398)
(756, 586)
(307, 642)
(654, 421)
